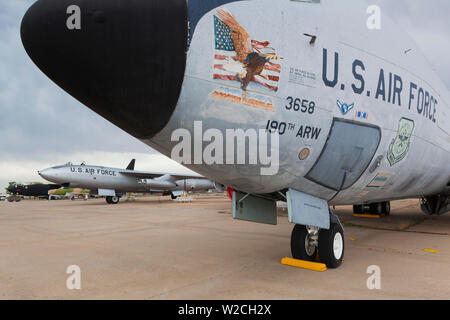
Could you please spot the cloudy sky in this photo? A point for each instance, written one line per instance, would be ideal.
(41, 126)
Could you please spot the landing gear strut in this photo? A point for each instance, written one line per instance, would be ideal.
(112, 200)
(309, 242)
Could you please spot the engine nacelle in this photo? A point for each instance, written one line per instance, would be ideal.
(158, 184)
(196, 184)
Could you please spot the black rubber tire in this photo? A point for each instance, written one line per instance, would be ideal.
(358, 209)
(376, 208)
(326, 245)
(115, 200)
(298, 250)
(173, 196)
(108, 199)
(387, 208)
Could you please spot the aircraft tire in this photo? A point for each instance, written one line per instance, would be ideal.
(376, 208)
(108, 199)
(332, 246)
(358, 209)
(115, 200)
(299, 244)
(387, 208)
(173, 196)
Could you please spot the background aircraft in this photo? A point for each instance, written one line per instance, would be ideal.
(360, 115)
(32, 190)
(114, 183)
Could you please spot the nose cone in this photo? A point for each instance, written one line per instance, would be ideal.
(124, 59)
(50, 175)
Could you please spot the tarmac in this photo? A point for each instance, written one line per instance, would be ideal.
(156, 248)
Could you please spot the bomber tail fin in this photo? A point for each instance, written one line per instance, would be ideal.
(131, 165)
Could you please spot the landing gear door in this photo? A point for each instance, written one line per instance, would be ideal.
(348, 152)
(106, 192)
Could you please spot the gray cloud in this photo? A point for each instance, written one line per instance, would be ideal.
(38, 118)
(428, 24)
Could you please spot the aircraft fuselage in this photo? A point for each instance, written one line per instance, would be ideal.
(119, 180)
(359, 113)
(350, 81)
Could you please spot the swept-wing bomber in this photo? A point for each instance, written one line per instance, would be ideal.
(113, 183)
(32, 190)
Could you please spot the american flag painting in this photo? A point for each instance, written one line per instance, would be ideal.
(226, 58)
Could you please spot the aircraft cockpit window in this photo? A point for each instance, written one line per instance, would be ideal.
(63, 166)
(347, 154)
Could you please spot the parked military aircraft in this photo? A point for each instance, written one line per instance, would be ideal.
(32, 190)
(360, 116)
(114, 183)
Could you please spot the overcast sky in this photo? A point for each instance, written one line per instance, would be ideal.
(41, 126)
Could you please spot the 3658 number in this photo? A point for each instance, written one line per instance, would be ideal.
(302, 105)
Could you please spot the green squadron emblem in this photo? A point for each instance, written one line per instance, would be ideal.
(400, 145)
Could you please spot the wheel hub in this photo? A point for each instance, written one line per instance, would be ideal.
(338, 245)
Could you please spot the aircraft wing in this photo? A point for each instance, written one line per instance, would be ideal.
(152, 175)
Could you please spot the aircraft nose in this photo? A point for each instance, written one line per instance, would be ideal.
(42, 173)
(124, 59)
(49, 175)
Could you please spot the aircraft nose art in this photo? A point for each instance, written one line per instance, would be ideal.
(124, 59)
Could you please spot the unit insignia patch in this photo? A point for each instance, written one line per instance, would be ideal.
(400, 145)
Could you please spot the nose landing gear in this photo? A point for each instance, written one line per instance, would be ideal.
(310, 243)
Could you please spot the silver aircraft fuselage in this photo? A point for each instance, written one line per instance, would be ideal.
(97, 178)
(360, 114)
(355, 78)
